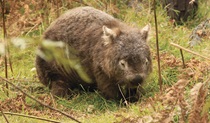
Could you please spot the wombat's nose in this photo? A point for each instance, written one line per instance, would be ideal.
(137, 80)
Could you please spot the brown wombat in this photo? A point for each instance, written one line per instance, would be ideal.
(180, 10)
(112, 54)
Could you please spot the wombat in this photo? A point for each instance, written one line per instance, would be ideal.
(113, 54)
(180, 10)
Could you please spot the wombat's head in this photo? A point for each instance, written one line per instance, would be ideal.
(128, 57)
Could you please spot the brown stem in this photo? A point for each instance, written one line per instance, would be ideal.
(61, 112)
(157, 46)
(4, 115)
(3, 18)
(34, 117)
(192, 52)
(182, 58)
(126, 102)
(23, 80)
(5, 35)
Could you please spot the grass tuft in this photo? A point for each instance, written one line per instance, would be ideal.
(26, 23)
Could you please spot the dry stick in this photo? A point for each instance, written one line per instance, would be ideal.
(63, 113)
(4, 115)
(182, 58)
(157, 45)
(192, 52)
(7, 53)
(23, 80)
(7, 58)
(5, 33)
(10, 62)
(126, 102)
(36, 25)
(53, 100)
(33, 117)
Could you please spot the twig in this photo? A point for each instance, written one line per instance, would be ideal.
(126, 102)
(37, 24)
(4, 115)
(3, 18)
(5, 34)
(192, 52)
(10, 62)
(157, 45)
(23, 80)
(61, 112)
(34, 117)
(182, 58)
(53, 100)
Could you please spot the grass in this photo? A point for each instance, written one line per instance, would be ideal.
(91, 107)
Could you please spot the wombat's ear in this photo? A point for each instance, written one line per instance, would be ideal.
(109, 34)
(145, 32)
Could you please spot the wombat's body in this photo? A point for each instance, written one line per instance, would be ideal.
(110, 52)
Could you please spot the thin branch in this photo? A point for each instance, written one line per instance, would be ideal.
(157, 45)
(5, 35)
(23, 80)
(36, 25)
(3, 18)
(126, 102)
(10, 62)
(7, 58)
(182, 58)
(33, 117)
(61, 112)
(192, 52)
(4, 115)
(53, 100)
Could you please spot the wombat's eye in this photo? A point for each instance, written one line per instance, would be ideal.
(123, 64)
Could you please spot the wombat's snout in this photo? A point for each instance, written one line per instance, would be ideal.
(137, 80)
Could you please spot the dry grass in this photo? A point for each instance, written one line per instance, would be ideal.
(185, 96)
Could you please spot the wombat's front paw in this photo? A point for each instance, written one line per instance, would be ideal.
(110, 93)
(59, 89)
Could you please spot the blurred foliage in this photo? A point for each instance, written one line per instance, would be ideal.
(64, 56)
(28, 19)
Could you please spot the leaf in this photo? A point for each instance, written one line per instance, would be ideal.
(64, 56)
(198, 94)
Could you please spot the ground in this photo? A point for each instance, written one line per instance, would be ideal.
(178, 101)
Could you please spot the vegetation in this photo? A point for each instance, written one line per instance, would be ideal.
(185, 94)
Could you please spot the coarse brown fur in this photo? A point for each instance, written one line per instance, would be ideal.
(110, 52)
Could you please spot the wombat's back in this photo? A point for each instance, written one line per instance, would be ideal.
(81, 29)
(79, 25)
